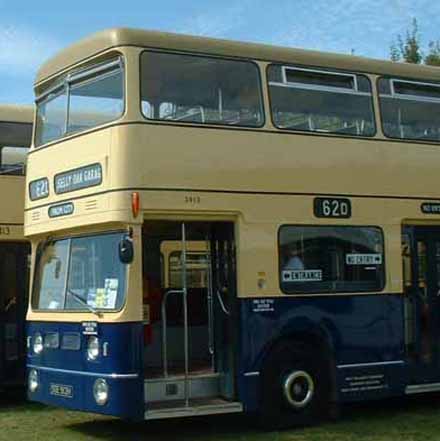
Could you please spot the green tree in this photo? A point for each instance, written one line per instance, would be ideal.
(395, 54)
(408, 48)
(433, 57)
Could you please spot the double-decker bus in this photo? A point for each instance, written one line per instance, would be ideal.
(15, 140)
(306, 181)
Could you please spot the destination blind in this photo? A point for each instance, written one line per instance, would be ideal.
(79, 178)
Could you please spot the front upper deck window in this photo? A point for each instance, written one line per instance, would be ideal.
(321, 101)
(410, 110)
(82, 100)
(204, 90)
(80, 274)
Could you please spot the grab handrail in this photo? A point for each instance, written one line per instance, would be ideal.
(164, 328)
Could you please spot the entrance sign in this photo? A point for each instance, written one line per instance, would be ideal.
(302, 275)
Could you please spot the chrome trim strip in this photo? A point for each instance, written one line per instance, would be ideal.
(381, 363)
(422, 388)
(87, 374)
(251, 374)
(304, 86)
(323, 72)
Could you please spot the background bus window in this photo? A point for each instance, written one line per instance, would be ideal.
(14, 141)
(13, 160)
(331, 259)
(196, 270)
(410, 110)
(320, 101)
(188, 88)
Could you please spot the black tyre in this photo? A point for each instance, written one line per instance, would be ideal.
(295, 386)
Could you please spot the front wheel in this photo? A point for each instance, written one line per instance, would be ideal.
(295, 387)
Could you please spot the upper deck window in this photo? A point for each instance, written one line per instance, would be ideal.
(196, 89)
(15, 139)
(82, 100)
(410, 110)
(321, 101)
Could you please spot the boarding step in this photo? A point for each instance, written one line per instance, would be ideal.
(197, 407)
(173, 388)
(422, 388)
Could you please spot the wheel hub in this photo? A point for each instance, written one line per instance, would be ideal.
(298, 389)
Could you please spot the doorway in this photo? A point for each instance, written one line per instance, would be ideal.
(421, 264)
(189, 293)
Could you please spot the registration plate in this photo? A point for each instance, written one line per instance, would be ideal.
(61, 390)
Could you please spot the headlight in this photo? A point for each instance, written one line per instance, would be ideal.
(38, 344)
(33, 382)
(101, 391)
(93, 348)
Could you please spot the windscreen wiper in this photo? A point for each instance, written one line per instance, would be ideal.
(79, 299)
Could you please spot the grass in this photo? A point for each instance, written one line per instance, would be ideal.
(404, 419)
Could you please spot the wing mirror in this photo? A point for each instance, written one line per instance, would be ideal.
(126, 252)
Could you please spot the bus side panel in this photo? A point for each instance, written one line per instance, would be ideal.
(67, 377)
(365, 330)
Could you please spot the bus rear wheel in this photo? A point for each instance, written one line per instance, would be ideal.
(295, 387)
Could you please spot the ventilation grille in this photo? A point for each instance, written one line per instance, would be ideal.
(90, 204)
(36, 215)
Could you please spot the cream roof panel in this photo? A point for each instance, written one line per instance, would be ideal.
(15, 113)
(117, 37)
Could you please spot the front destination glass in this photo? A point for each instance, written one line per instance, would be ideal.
(80, 274)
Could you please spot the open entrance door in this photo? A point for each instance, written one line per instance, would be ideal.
(13, 303)
(189, 299)
(421, 257)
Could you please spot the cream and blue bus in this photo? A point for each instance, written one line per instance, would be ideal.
(15, 140)
(302, 190)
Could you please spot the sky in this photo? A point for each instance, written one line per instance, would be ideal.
(32, 31)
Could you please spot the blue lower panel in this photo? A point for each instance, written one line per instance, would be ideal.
(67, 376)
(78, 389)
(363, 330)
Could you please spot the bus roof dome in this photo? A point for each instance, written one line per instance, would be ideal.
(117, 37)
(16, 113)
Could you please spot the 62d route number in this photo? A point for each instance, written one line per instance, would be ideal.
(332, 207)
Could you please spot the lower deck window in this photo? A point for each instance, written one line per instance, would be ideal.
(326, 259)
